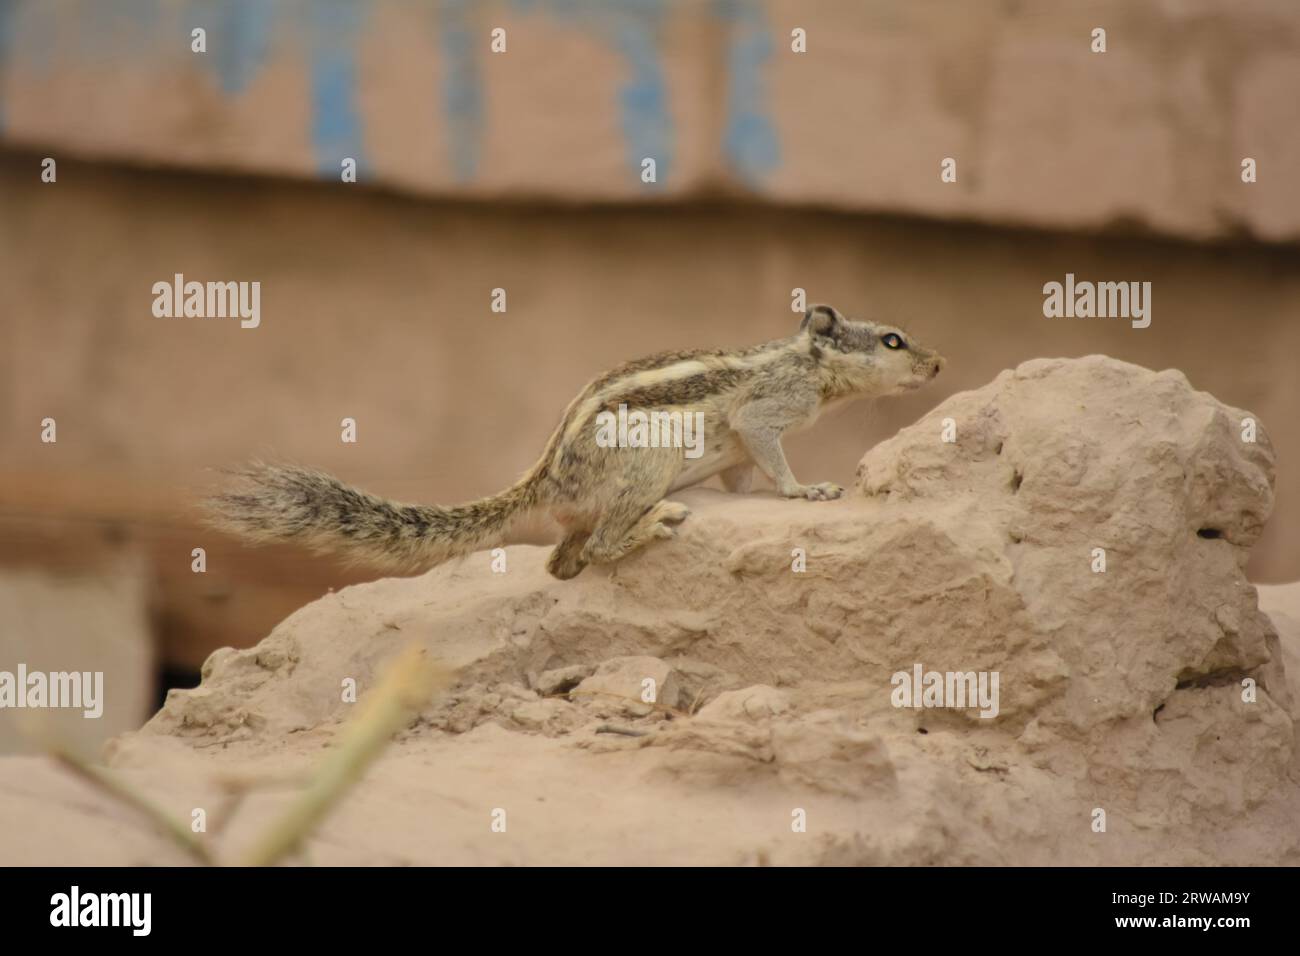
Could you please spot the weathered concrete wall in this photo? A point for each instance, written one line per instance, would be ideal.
(1045, 132)
(78, 624)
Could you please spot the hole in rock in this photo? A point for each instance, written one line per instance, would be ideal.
(1209, 533)
(1017, 479)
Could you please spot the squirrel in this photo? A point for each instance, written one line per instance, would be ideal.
(609, 501)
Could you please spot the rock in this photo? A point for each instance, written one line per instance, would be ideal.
(630, 685)
(1057, 465)
(752, 703)
(561, 679)
(535, 715)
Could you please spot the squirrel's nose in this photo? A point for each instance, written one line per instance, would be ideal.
(936, 366)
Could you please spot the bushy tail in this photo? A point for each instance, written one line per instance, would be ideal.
(302, 506)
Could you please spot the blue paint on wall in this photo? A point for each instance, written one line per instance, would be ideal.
(750, 138)
(238, 39)
(241, 37)
(634, 28)
(643, 100)
(462, 86)
(334, 27)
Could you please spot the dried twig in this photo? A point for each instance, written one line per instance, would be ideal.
(404, 690)
(621, 731)
(173, 828)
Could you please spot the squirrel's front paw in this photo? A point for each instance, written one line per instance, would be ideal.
(823, 491)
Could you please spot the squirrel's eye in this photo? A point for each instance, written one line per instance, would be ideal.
(892, 341)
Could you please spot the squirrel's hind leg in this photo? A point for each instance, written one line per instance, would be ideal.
(637, 514)
(614, 539)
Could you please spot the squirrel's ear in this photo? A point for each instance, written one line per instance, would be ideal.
(821, 320)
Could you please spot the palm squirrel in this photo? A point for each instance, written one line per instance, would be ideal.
(607, 497)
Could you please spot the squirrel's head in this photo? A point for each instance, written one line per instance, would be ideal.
(879, 359)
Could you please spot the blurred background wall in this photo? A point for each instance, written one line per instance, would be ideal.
(522, 170)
